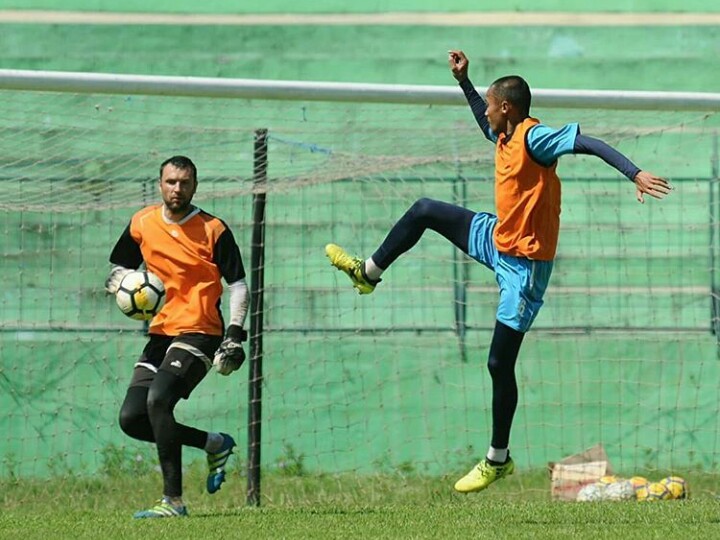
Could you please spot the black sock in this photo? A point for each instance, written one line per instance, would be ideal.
(365, 276)
(498, 463)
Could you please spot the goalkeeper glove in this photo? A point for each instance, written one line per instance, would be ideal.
(230, 355)
(112, 283)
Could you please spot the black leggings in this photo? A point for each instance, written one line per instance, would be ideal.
(503, 355)
(453, 222)
(147, 415)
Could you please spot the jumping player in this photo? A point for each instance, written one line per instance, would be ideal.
(517, 243)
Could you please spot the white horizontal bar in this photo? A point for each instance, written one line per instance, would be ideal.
(459, 19)
(103, 83)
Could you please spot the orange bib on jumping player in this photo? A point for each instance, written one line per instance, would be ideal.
(527, 199)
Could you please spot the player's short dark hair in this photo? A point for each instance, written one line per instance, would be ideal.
(182, 163)
(514, 89)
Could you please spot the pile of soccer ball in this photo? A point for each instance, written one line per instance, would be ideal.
(613, 488)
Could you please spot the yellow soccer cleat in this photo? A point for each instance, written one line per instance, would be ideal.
(483, 474)
(354, 267)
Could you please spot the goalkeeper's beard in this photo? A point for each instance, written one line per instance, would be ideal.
(179, 206)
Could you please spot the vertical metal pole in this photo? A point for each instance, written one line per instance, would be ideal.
(460, 271)
(715, 301)
(257, 276)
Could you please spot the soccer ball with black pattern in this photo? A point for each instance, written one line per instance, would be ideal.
(654, 491)
(141, 295)
(677, 486)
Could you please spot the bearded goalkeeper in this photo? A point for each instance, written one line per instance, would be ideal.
(190, 251)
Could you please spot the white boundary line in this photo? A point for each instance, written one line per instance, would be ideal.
(496, 18)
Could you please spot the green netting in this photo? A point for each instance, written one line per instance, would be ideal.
(622, 353)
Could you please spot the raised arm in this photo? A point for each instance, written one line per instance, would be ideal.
(459, 67)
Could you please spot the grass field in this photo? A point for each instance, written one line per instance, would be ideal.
(345, 506)
(389, 417)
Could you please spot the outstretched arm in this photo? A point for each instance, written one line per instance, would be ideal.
(645, 182)
(459, 67)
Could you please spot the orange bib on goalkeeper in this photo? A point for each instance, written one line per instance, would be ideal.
(187, 247)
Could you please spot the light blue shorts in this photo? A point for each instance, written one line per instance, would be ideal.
(522, 281)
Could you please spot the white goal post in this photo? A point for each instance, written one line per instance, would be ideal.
(100, 83)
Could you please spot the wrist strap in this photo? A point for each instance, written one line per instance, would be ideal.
(236, 332)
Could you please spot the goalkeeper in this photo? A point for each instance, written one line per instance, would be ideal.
(190, 251)
(517, 243)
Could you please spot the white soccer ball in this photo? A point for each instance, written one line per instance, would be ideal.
(620, 490)
(592, 492)
(140, 295)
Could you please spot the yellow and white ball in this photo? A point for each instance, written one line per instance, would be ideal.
(654, 491)
(677, 486)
